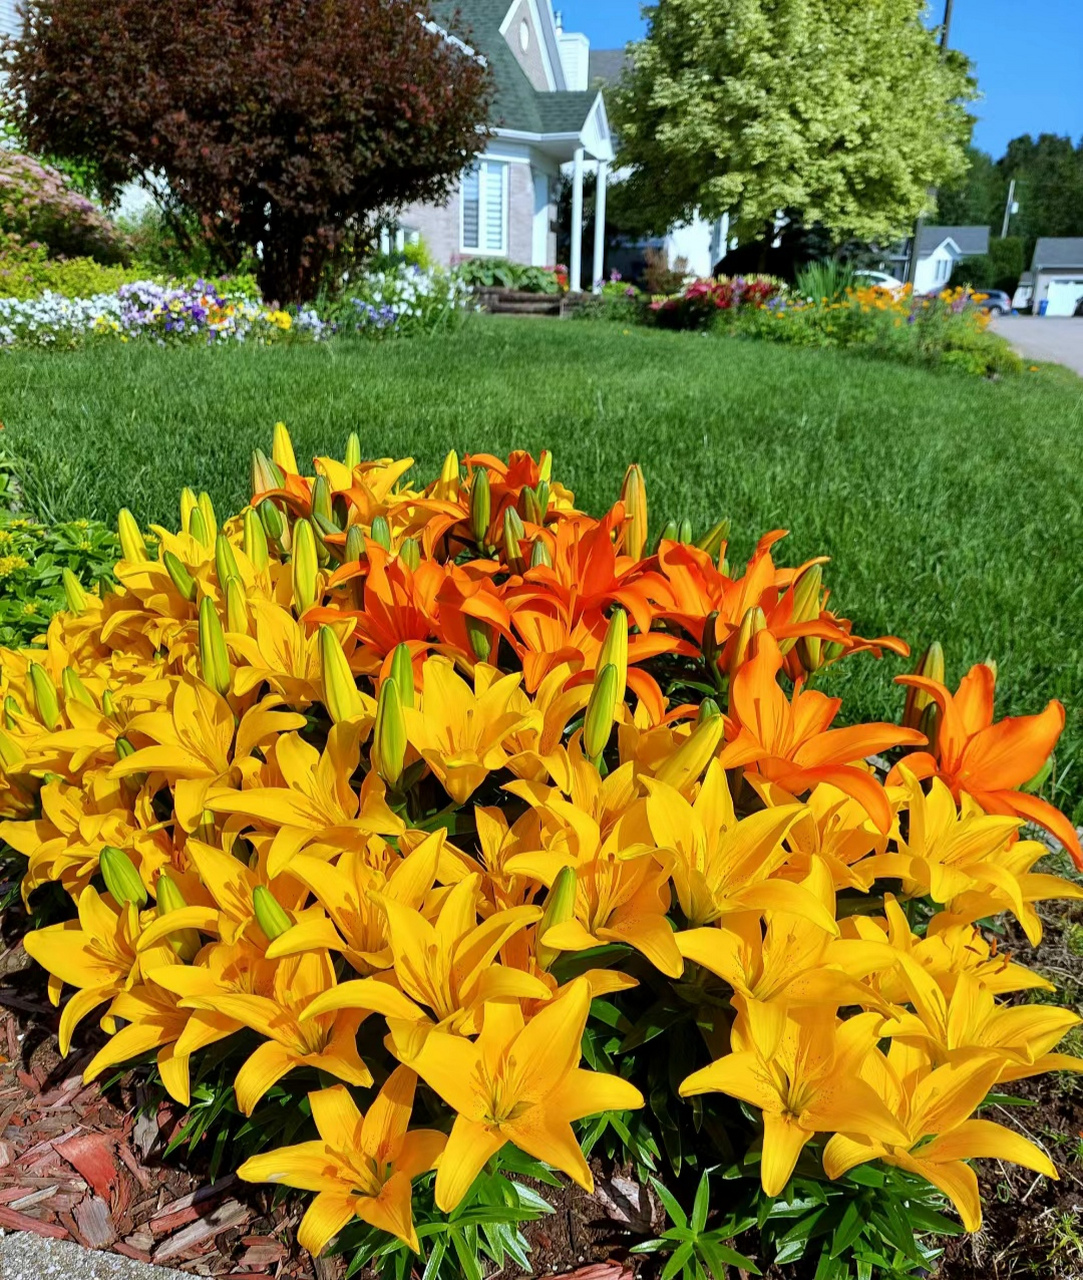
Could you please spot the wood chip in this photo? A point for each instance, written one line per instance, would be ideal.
(12, 1220)
(95, 1224)
(198, 1234)
(189, 1207)
(35, 1197)
(91, 1156)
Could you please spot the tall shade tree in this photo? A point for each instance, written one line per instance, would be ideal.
(283, 124)
(840, 112)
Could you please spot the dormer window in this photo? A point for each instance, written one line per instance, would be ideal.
(524, 35)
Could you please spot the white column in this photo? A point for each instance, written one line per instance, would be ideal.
(599, 225)
(575, 267)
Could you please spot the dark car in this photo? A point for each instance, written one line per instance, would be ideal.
(996, 302)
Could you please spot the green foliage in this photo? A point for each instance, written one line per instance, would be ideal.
(827, 280)
(40, 205)
(844, 114)
(1000, 268)
(169, 243)
(694, 1252)
(499, 273)
(27, 271)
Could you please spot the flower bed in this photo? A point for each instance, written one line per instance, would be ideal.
(699, 304)
(399, 826)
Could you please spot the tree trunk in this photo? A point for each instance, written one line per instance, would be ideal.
(292, 262)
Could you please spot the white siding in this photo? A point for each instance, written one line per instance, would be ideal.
(10, 22)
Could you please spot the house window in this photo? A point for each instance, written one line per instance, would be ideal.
(485, 207)
(943, 270)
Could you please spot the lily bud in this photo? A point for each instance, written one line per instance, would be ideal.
(752, 624)
(833, 651)
(601, 710)
(449, 477)
(480, 635)
(121, 877)
(132, 545)
(74, 595)
(305, 567)
(684, 533)
(124, 748)
(43, 692)
(353, 450)
(480, 506)
(402, 672)
(185, 942)
(545, 466)
(930, 665)
(806, 594)
(236, 607)
(715, 538)
(390, 734)
(355, 543)
(266, 475)
(225, 562)
(539, 555)
(410, 555)
(340, 693)
(711, 649)
(633, 493)
(197, 527)
(614, 650)
(274, 523)
(255, 541)
(697, 751)
(75, 690)
(708, 709)
(668, 534)
(991, 663)
(282, 449)
(321, 501)
(559, 909)
(179, 576)
(210, 520)
(213, 656)
(810, 651)
(513, 531)
(109, 705)
(270, 915)
(187, 506)
(381, 532)
(10, 755)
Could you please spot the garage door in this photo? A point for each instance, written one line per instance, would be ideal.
(1064, 296)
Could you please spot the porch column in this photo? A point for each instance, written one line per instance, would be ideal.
(575, 267)
(599, 225)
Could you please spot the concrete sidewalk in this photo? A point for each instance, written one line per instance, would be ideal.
(29, 1257)
(1040, 338)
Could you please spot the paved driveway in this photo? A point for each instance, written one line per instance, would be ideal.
(1041, 338)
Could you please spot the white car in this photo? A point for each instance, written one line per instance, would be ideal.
(880, 279)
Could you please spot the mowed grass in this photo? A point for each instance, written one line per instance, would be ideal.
(951, 508)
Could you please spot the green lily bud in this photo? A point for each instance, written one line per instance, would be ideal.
(187, 506)
(121, 877)
(282, 449)
(340, 693)
(536, 503)
(410, 554)
(402, 672)
(109, 705)
(236, 607)
(715, 538)
(708, 709)
(513, 531)
(806, 594)
(255, 541)
(179, 575)
(273, 521)
(668, 534)
(124, 748)
(833, 651)
(185, 942)
(381, 532)
(133, 547)
(74, 595)
(633, 494)
(355, 544)
(43, 692)
(810, 651)
(197, 527)
(545, 466)
(559, 909)
(480, 635)
(697, 751)
(321, 500)
(213, 655)
(390, 734)
(305, 567)
(270, 915)
(75, 690)
(353, 450)
(539, 555)
(752, 624)
(210, 520)
(449, 474)
(601, 710)
(614, 650)
(684, 532)
(225, 562)
(266, 475)
(480, 506)
(930, 665)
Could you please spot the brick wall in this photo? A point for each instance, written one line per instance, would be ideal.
(521, 205)
(531, 61)
(439, 227)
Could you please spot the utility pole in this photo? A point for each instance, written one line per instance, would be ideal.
(1010, 208)
(945, 32)
(945, 36)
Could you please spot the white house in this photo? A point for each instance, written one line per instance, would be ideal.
(1055, 278)
(940, 249)
(544, 117)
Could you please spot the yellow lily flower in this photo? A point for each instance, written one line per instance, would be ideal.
(462, 733)
(934, 1106)
(516, 1083)
(804, 1082)
(284, 654)
(361, 1166)
(153, 1021)
(832, 827)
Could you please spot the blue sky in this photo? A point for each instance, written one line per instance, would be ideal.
(1029, 58)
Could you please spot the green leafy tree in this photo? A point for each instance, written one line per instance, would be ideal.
(978, 199)
(842, 112)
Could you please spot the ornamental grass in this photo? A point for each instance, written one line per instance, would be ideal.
(484, 837)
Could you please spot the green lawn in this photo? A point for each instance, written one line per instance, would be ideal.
(951, 508)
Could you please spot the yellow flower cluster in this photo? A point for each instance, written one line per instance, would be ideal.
(423, 756)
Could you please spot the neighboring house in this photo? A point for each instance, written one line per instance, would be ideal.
(543, 117)
(940, 249)
(1054, 284)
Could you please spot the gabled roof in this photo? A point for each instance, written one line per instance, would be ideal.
(970, 241)
(606, 66)
(1058, 251)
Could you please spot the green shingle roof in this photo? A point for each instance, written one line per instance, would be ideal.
(516, 103)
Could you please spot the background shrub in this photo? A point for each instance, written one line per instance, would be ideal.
(38, 203)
